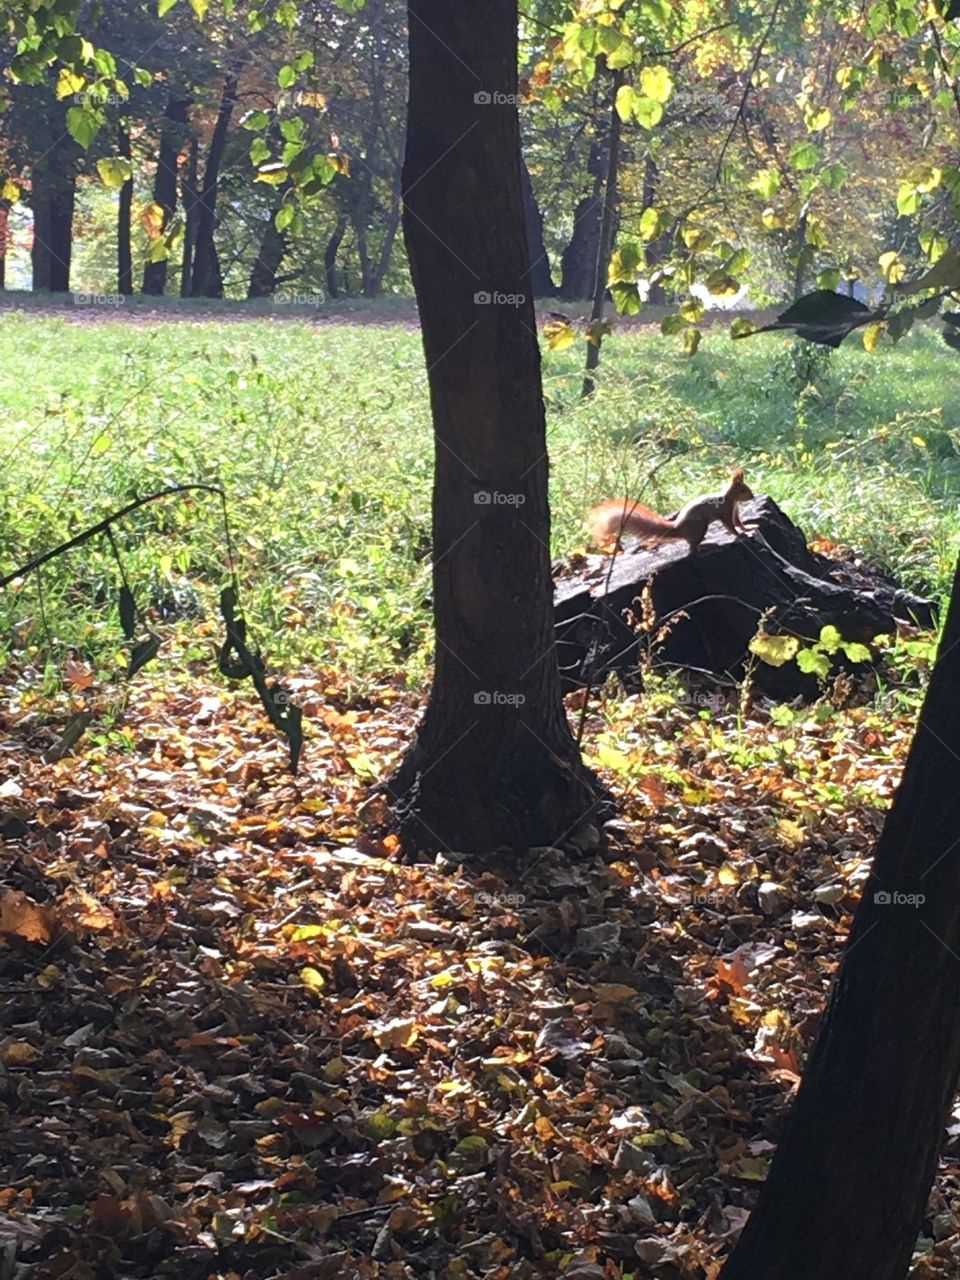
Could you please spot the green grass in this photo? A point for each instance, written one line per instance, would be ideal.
(321, 435)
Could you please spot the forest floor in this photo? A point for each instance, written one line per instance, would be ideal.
(242, 1038)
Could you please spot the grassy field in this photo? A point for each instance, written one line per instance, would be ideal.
(320, 434)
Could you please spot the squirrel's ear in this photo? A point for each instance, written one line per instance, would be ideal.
(738, 477)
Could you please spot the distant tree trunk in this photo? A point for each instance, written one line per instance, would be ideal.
(494, 762)
(802, 256)
(330, 257)
(578, 263)
(4, 243)
(190, 209)
(658, 249)
(390, 233)
(124, 209)
(207, 280)
(54, 183)
(848, 1186)
(172, 130)
(607, 223)
(541, 281)
(361, 230)
(272, 251)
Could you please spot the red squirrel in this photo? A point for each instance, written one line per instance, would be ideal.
(618, 516)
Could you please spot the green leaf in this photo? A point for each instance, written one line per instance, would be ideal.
(834, 176)
(284, 216)
(200, 7)
(652, 223)
(164, 6)
(626, 298)
(255, 120)
(804, 155)
(908, 200)
(857, 652)
(114, 171)
(766, 183)
(624, 102)
(830, 639)
(259, 151)
(671, 325)
(648, 112)
(813, 663)
(691, 340)
(286, 76)
(82, 125)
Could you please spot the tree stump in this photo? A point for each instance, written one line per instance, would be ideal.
(708, 605)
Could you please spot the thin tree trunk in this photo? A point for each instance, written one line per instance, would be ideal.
(330, 257)
(124, 209)
(848, 1186)
(4, 243)
(272, 251)
(390, 234)
(207, 281)
(605, 247)
(541, 281)
(494, 762)
(172, 129)
(658, 249)
(190, 207)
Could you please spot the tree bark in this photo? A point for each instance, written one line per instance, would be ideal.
(658, 250)
(541, 280)
(330, 257)
(494, 763)
(607, 223)
(579, 261)
(849, 1182)
(53, 193)
(206, 280)
(172, 130)
(272, 251)
(190, 205)
(4, 243)
(124, 210)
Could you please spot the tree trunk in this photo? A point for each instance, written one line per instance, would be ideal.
(206, 280)
(658, 250)
(190, 209)
(330, 257)
(541, 281)
(605, 245)
(579, 261)
(848, 1185)
(172, 129)
(272, 251)
(4, 243)
(53, 192)
(390, 234)
(494, 763)
(124, 209)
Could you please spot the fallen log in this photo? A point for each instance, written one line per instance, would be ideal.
(708, 606)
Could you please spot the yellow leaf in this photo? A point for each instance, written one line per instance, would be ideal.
(871, 335)
(312, 978)
(559, 335)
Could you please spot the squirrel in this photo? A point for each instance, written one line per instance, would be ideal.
(609, 521)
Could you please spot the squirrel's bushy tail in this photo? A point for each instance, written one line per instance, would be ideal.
(621, 516)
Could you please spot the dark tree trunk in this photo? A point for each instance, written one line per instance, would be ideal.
(190, 210)
(579, 261)
(607, 224)
(4, 244)
(207, 280)
(272, 251)
(52, 197)
(494, 762)
(361, 230)
(124, 208)
(848, 1185)
(658, 250)
(330, 258)
(541, 281)
(172, 130)
(390, 234)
